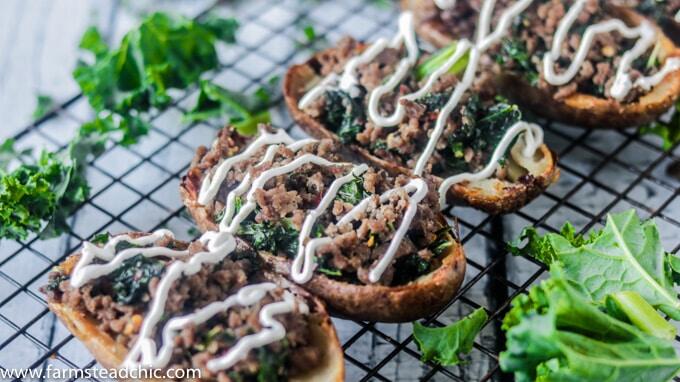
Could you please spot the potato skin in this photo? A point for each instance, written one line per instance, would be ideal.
(363, 302)
(508, 196)
(111, 354)
(579, 109)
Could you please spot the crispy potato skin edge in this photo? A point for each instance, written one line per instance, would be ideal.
(111, 354)
(579, 109)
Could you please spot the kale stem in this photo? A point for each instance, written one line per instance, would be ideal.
(438, 59)
(642, 314)
(249, 125)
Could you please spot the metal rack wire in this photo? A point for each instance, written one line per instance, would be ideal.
(135, 188)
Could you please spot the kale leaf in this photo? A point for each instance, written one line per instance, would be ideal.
(433, 102)
(43, 105)
(515, 50)
(353, 191)
(555, 334)
(344, 115)
(444, 345)
(271, 236)
(667, 130)
(443, 241)
(272, 365)
(121, 85)
(101, 238)
(39, 197)
(408, 268)
(10, 154)
(55, 281)
(626, 255)
(164, 52)
(245, 113)
(131, 280)
(481, 129)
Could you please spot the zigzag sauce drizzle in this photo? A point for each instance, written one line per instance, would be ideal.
(406, 35)
(645, 33)
(419, 189)
(302, 267)
(532, 139)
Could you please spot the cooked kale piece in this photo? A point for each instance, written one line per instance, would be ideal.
(324, 267)
(481, 129)
(131, 280)
(271, 236)
(53, 283)
(353, 192)
(408, 268)
(101, 238)
(344, 114)
(434, 101)
(273, 364)
(443, 242)
(515, 50)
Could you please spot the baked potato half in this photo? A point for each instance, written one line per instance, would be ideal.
(105, 314)
(473, 130)
(427, 265)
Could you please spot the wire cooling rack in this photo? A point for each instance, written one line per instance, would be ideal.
(136, 188)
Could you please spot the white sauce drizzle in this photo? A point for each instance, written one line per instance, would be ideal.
(419, 189)
(445, 4)
(211, 184)
(484, 40)
(645, 34)
(303, 264)
(260, 181)
(143, 352)
(273, 331)
(247, 296)
(230, 205)
(85, 271)
(533, 138)
(348, 80)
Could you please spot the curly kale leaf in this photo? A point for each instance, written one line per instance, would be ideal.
(344, 115)
(164, 52)
(10, 154)
(626, 255)
(131, 280)
(555, 333)
(444, 345)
